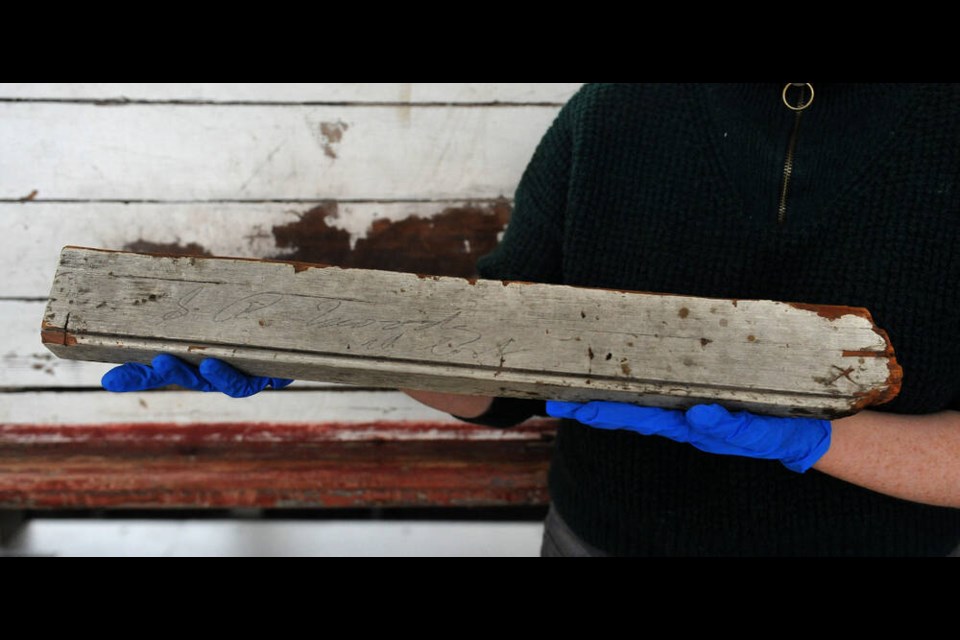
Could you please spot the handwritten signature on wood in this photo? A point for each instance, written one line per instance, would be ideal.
(365, 329)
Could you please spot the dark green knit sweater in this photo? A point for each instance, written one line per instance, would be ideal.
(675, 189)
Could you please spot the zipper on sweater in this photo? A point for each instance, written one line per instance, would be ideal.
(799, 106)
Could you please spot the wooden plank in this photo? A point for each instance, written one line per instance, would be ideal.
(372, 92)
(271, 465)
(163, 152)
(484, 337)
(441, 238)
(292, 405)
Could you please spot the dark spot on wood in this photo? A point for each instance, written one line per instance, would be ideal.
(688, 362)
(152, 296)
(37, 366)
(630, 344)
(262, 322)
(101, 305)
(751, 338)
(609, 355)
(432, 245)
(724, 322)
(27, 198)
(142, 403)
(684, 312)
(329, 136)
(704, 342)
(590, 353)
(625, 367)
(582, 315)
(168, 249)
(734, 302)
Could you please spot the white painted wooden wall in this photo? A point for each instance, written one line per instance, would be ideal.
(105, 165)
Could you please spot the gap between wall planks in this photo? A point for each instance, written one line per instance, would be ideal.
(489, 93)
(480, 337)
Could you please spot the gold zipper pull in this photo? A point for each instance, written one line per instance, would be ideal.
(801, 105)
(799, 108)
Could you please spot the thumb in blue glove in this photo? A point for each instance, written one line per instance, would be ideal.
(796, 442)
(165, 369)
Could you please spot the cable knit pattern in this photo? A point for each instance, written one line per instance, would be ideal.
(674, 189)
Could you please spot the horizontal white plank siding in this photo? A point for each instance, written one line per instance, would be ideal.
(168, 152)
(412, 92)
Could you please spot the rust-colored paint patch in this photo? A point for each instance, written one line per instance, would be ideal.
(684, 312)
(751, 338)
(833, 312)
(58, 336)
(864, 354)
(331, 133)
(27, 198)
(168, 249)
(625, 367)
(432, 245)
(52, 336)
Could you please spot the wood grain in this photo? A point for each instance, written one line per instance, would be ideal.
(481, 337)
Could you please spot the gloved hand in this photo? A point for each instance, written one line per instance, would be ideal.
(796, 442)
(212, 375)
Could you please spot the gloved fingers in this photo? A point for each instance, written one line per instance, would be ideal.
(229, 380)
(132, 376)
(173, 370)
(619, 415)
(797, 442)
(279, 383)
(559, 409)
(714, 421)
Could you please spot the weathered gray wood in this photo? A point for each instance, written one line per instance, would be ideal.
(379, 328)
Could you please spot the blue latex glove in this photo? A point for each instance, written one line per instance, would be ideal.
(796, 442)
(211, 375)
